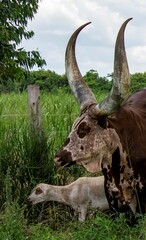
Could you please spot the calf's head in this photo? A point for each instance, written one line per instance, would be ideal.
(38, 194)
(90, 139)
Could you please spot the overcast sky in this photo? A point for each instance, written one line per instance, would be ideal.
(56, 20)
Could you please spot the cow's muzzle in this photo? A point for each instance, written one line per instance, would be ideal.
(64, 159)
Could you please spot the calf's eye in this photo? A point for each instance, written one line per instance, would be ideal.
(38, 191)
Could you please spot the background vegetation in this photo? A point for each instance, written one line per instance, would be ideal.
(26, 158)
(50, 81)
(16, 61)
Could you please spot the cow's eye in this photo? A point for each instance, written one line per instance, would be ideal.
(83, 130)
(102, 122)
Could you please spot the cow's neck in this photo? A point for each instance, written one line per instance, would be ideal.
(116, 165)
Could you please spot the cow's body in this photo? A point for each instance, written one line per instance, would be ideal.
(110, 135)
(130, 124)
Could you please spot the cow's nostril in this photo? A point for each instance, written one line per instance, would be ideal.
(57, 160)
(63, 158)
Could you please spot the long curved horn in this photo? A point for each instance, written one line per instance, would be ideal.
(78, 86)
(121, 77)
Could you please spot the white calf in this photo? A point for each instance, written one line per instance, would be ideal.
(84, 192)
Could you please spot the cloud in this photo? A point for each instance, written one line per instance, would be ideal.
(56, 20)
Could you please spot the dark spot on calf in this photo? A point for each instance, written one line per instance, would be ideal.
(38, 191)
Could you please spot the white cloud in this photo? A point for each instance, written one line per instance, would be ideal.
(57, 19)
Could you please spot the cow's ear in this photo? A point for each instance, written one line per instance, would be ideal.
(102, 122)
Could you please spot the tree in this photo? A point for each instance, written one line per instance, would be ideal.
(48, 80)
(138, 81)
(97, 83)
(14, 16)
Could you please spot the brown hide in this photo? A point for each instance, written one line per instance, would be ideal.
(130, 124)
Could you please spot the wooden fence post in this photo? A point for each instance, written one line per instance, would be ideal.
(34, 108)
(39, 149)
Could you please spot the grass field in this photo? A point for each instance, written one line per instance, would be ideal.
(27, 159)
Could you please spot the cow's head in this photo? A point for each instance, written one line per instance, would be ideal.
(90, 139)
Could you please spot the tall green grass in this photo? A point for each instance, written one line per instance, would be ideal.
(27, 159)
(13, 226)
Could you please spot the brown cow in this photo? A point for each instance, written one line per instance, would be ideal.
(110, 135)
